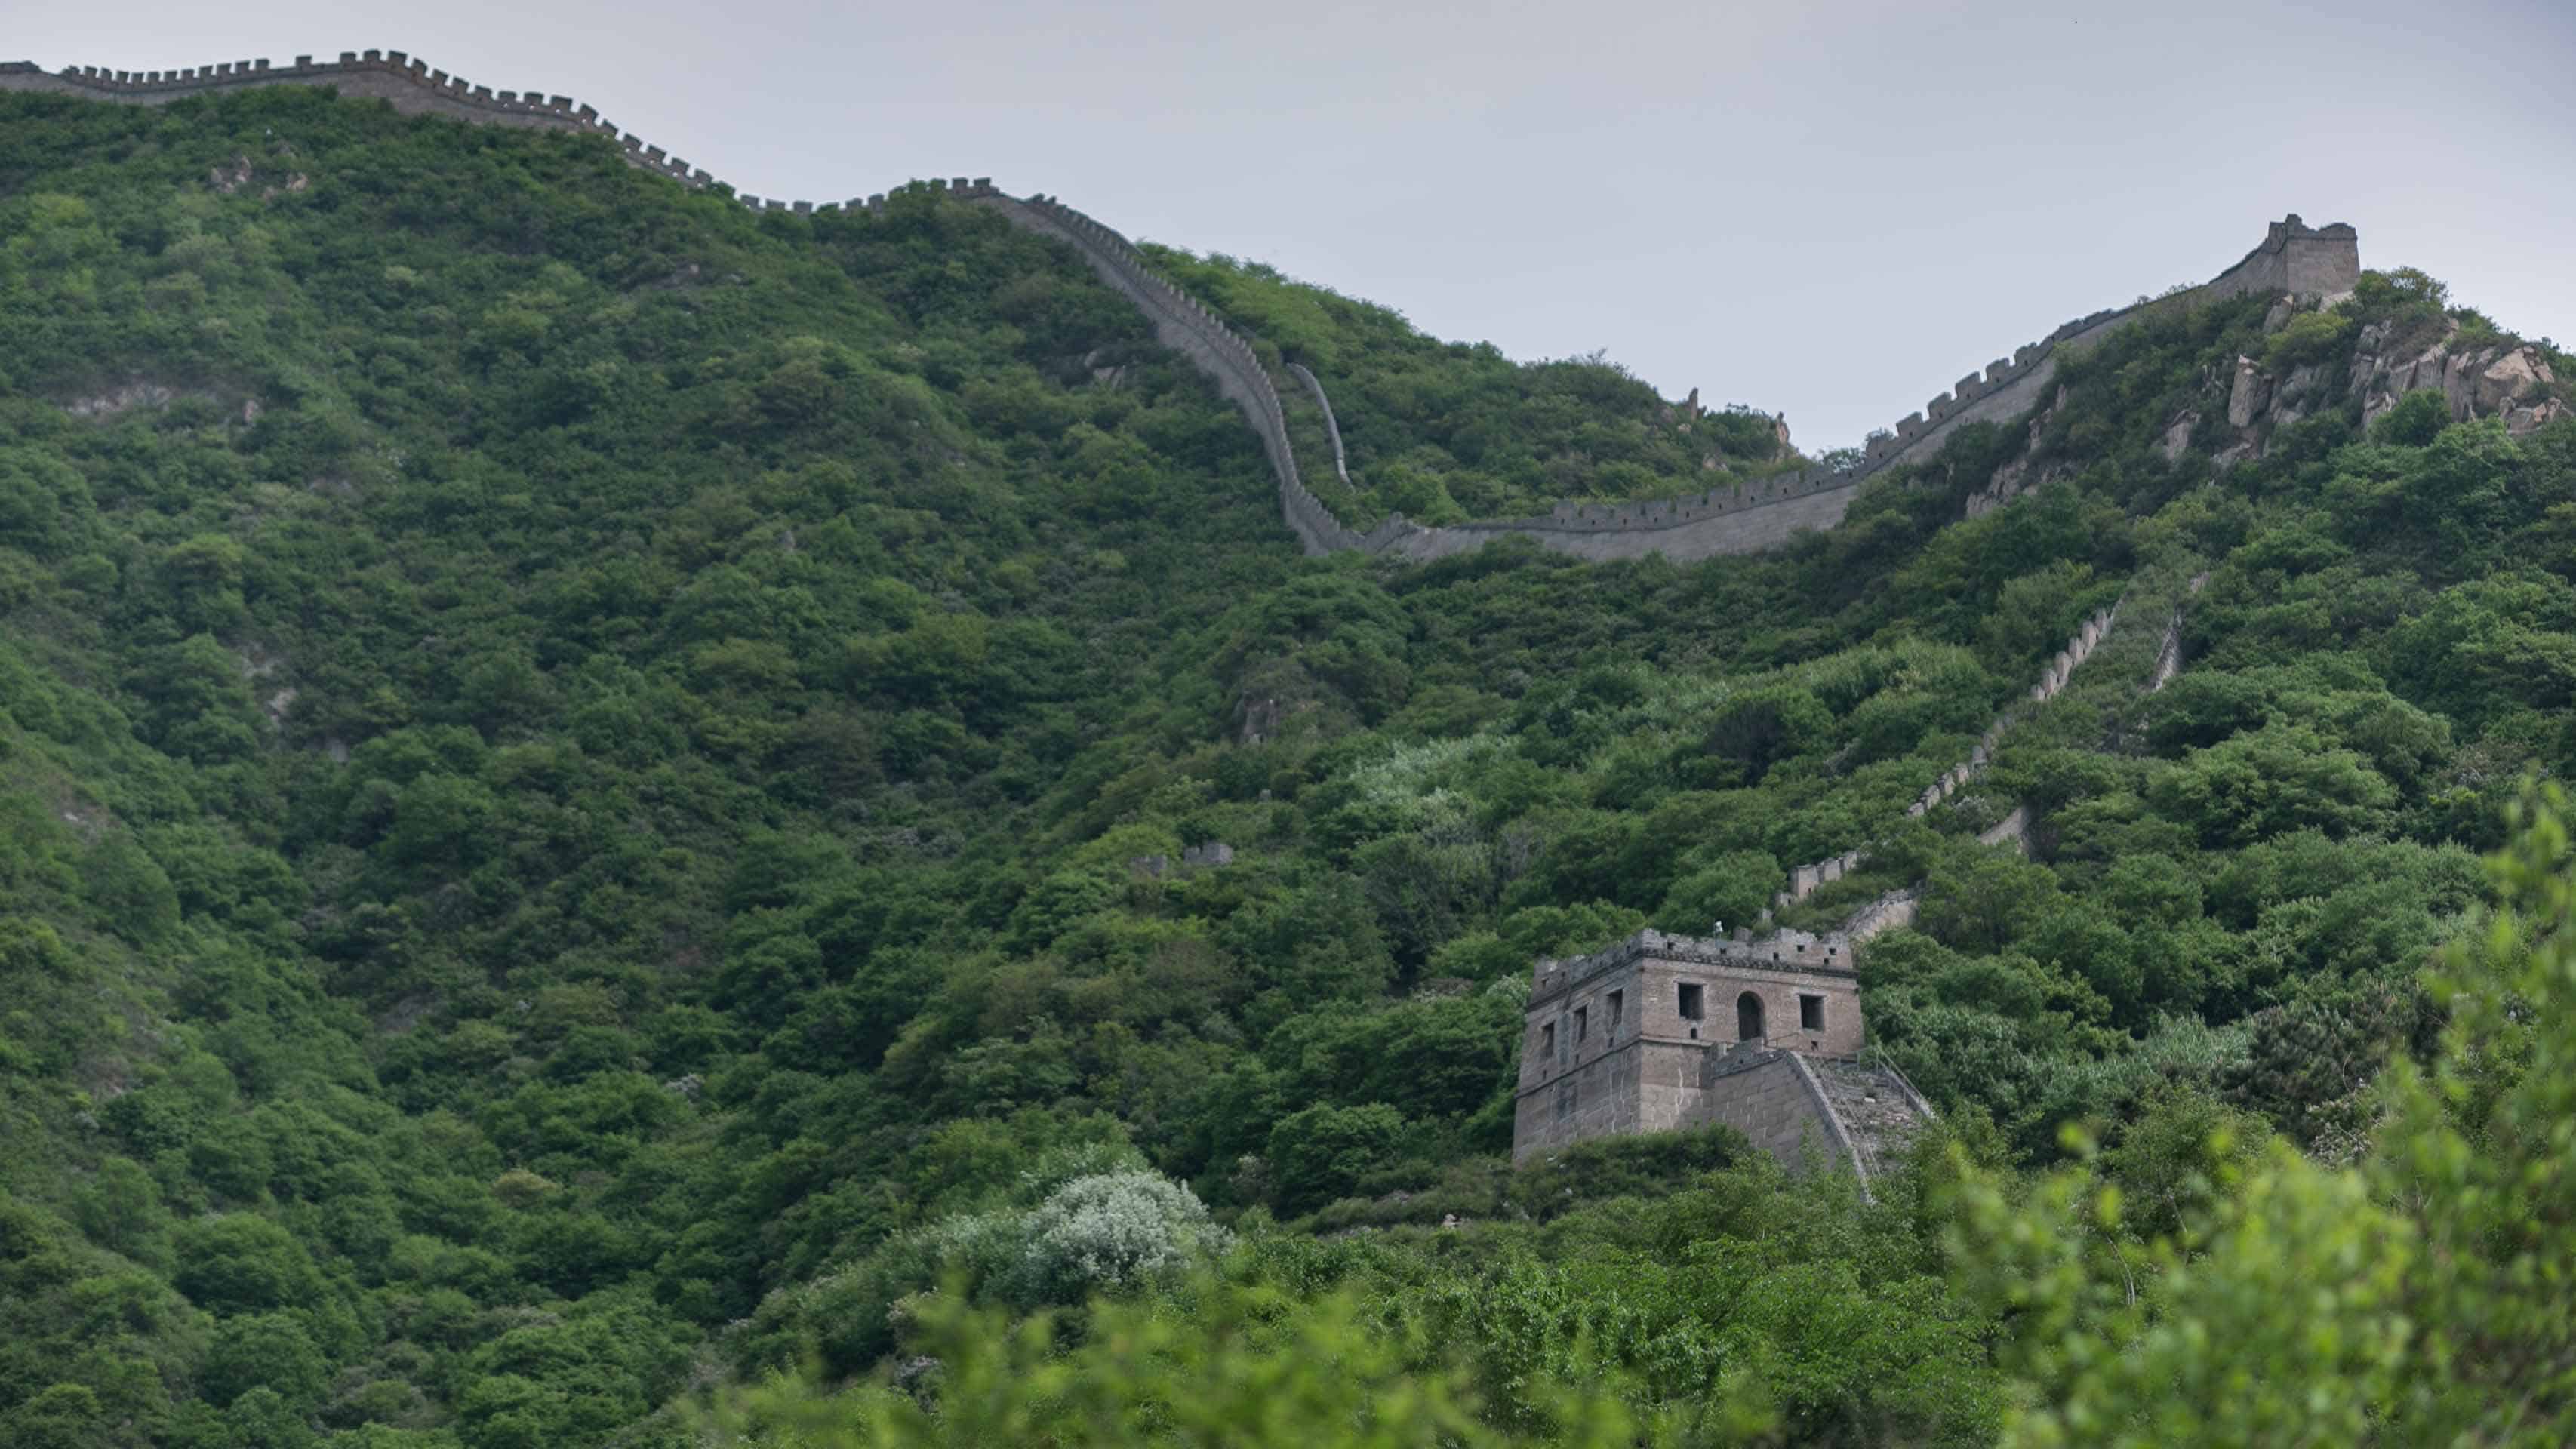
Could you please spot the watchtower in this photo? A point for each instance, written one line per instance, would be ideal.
(1660, 1032)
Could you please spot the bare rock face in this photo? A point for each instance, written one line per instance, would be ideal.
(1261, 718)
(2512, 377)
(2010, 482)
(2460, 384)
(2497, 381)
(2247, 398)
(2177, 437)
(117, 399)
(2521, 420)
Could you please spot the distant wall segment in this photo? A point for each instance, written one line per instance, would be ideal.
(412, 88)
(1186, 326)
(1751, 518)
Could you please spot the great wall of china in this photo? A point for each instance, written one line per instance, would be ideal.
(1762, 514)
(1840, 1093)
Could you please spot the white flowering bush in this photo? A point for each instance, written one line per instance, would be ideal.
(1104, 1230)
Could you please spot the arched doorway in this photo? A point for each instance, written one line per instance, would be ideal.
(1748, 1017)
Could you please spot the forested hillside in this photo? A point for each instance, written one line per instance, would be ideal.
(600, 788)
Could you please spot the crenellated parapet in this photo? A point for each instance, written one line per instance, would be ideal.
(1806, 880)
(1747, 518)
(413, 88)
(1186, 325)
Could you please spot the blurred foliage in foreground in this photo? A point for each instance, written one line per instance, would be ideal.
(2248, 1297)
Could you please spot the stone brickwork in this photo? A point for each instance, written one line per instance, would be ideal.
(2297, 260)
(412, 88)
(1648, 1035)
(1774, 1099)
(1186, 326)
(1804, 880)
(1332, 426)
(1749, 518)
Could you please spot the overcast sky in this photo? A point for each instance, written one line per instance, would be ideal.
(1829, 209)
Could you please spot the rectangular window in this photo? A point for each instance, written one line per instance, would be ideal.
(1618, 1008)
(1811, 1012)
(1694, 1002)
(1582, 1024)
(1547, 1040)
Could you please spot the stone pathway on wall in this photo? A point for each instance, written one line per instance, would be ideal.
(1806, 879)
(1879, 1110)
(2292, 258)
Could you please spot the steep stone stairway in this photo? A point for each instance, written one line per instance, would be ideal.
(1879, 1110)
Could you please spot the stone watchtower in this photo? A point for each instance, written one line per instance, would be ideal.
(1661, 1032)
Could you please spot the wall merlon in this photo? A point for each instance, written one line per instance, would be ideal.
(2293, 257)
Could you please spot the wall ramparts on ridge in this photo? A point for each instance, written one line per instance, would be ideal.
(1332, 426)
(2292, 257)
(412, 88)
(1185, 325)
(1806, 880)
(1752, 518)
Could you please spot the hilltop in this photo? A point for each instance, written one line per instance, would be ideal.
(609, 788)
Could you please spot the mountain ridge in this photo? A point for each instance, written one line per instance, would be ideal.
(2292, 258)
(609, 795)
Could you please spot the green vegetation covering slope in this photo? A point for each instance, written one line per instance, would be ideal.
(1446, 431)
(582, 768)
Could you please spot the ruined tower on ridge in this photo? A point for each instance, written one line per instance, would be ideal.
(1662, 1032)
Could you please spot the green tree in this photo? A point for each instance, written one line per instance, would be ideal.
(1319, 1153)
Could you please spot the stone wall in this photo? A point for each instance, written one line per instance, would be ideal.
(1774, 1099)
(1332, 426)
(412, 88)
(1186, 326)
(2297, 259)
(1805, 880)
(1750, 518)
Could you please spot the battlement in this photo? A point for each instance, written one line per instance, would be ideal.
(412, 87)
(1635, 1038)
(2301, 260)
(1805, 880)
(1661, 1032)
(1747, 518)
(1796, 950)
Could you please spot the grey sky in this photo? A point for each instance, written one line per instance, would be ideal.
(1832, 209)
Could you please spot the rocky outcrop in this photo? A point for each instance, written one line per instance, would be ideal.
(2510, 381)
(2251, 394)
(2177, 438)
(2489, 379)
